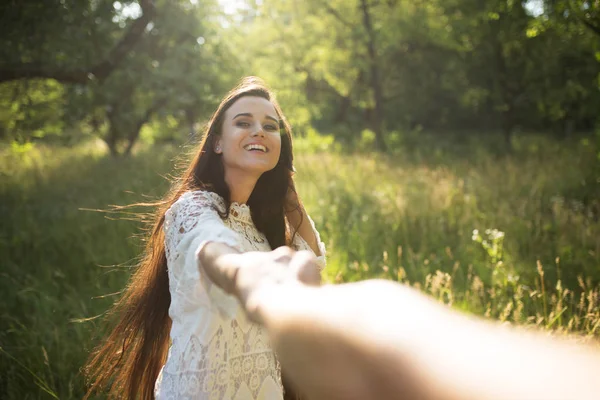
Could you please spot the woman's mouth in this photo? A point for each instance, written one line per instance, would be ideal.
(255, 147)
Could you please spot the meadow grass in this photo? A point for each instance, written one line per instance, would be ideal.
(511, 237)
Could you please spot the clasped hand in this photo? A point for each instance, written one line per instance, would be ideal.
(282, 266)
(245, 275)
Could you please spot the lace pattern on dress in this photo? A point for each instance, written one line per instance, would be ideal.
(216, 352)
(240, 220)
(214, 371)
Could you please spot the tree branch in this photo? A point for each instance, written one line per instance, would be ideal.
(589, 25)
(594, 28)
(98, 71)
(135, 132)
(336, 14)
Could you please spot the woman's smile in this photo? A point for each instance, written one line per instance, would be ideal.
(256, 147)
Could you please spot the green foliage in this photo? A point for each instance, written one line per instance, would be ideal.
(31, 110)
(172, 72)
(409, 217)
(58, 255)
(313, 142)
(436, 65)
(452, 74)
(69, 33)
(167, 77)
(458, 64)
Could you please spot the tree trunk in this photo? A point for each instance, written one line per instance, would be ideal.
(342, 112)
(111, 142)
(507, 128)
(501, 78)
(190, 116)
(130, 143)
(377, 115)
(134, 133)
(569, 127)
(112, 138)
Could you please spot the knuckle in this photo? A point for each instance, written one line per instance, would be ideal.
(307, 270)
(283, 251)
(309, 275)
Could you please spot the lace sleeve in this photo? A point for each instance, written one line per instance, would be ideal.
(301, 244)
(191, 220)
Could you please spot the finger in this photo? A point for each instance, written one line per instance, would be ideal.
(304, 268)
(283, 254)
(260, 292)
(267, 272)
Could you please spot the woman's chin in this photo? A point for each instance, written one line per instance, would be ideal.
(254, 167)
(260, 167)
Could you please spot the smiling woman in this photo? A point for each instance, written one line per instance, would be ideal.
(250, 144)
(235, 208)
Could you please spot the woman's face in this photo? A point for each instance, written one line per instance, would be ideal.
(250, 139)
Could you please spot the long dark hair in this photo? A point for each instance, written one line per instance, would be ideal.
(128, 362)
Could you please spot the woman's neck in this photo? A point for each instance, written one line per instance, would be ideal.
(240, 185)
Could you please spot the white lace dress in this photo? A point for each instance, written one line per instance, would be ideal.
(216, 352)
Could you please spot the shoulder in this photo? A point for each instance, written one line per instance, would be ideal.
(196, 201)
(201, 196)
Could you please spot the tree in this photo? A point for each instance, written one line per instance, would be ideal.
(31, 109)
(34, 47)
(169, 75)
(568, 93)
(163, 76)
(586, 12)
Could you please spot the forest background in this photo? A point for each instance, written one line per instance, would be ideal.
(452, 145)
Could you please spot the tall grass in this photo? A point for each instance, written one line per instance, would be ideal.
(512, 237)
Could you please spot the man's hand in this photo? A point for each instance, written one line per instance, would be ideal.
(245, 274)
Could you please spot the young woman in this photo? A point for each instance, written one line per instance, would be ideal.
(236, 203)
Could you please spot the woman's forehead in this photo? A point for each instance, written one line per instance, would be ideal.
(257, 106)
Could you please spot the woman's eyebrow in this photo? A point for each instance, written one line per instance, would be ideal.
(250, 115)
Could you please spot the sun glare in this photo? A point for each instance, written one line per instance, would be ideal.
(535, 7)
(232, 6)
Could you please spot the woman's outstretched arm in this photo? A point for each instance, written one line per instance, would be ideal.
(242, 273)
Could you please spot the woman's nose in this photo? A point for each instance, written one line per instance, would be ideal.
(258, 131)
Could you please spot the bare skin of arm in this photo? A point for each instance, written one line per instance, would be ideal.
(297, 216)
(305, 229)
(381, 340)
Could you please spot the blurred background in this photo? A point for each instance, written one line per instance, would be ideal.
(452, 145)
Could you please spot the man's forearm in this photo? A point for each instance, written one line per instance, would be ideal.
(375, 340)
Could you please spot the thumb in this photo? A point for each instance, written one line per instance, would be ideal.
(304, 268)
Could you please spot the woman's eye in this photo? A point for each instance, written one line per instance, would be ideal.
(243, 124)
(270, 127)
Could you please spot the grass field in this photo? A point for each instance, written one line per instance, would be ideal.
(513, 237)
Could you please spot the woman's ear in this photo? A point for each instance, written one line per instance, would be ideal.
(218, 148)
